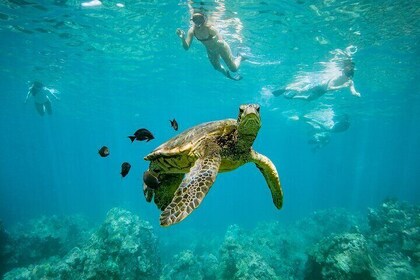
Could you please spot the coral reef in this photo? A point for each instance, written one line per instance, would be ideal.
(42, 238)
(282, 247)
(343, 256)
(239, 260)
(123, 248)
(329, 244)
(322, 223)
(394, 237)
(5, 254)
(394, 266)
(395, 226)
(184, 265)
(387, 249)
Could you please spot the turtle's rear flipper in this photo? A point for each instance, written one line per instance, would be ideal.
(192, 190)
(166, 190)
(148, 192)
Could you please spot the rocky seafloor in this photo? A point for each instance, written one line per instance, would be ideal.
(330, 244)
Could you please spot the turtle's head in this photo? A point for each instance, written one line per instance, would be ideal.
(249, 121)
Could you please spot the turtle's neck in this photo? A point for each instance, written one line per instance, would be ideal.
(245, 142)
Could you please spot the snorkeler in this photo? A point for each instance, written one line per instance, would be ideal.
(323, 122)
(41, 94)
(319, 140)
(302, 89)
(334, 123)
(215, 45)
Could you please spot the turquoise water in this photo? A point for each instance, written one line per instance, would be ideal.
(122, 68)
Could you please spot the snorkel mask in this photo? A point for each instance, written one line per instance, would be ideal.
(198, 19)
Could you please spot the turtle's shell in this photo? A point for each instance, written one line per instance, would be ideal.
(186, 142)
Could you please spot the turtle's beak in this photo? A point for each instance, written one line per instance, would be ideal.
(250, 119)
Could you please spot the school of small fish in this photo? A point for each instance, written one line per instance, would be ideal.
(141, 134)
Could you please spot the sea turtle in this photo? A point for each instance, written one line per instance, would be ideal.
(200, 153)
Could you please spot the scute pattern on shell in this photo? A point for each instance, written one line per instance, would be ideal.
(186, 141)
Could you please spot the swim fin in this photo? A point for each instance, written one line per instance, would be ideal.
(235, 78)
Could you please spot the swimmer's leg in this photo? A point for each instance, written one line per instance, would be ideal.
(232, 63)
(48, 107)
(298, 97)
(215, 61)
(313, 93)
(278, 92)
(40, 108)
(289, 94)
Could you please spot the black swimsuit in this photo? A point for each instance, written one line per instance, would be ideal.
(210, 37)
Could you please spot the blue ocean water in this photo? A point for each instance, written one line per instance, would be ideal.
(118, 69)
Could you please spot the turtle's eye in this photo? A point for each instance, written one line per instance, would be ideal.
(258, 108)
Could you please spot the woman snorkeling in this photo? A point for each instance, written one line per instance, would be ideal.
(41, 94)
(215, 45)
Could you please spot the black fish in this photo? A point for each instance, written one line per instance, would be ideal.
(174, 124)
(150, 180)
(125, 168)
(142, 134)
(104, 151)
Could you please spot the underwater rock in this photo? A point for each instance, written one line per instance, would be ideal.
(124, 247)
(197, 247)
(395, 226)
(185, 265)
(123, 241)
(323, 223)
(42, 238)
(343, 257)
(386, 248)
(240, 261)
(282, 247)
(210, 266)
(394, 240)
(394, 266)
(5, 253)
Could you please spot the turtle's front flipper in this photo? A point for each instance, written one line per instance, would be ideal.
(271, 176)
(192, 190)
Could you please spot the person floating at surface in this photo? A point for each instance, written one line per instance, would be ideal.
(41, 97)
(311, 91)
(215, 45)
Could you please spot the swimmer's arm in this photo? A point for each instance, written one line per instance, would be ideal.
(185, 39)
(353, 89)
(28, 95)
(52, 91)
(315, 124)
(332, 87)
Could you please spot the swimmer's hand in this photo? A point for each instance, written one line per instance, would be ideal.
(235, 78)
(356, 94)
(180, 33)
(53, 91)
